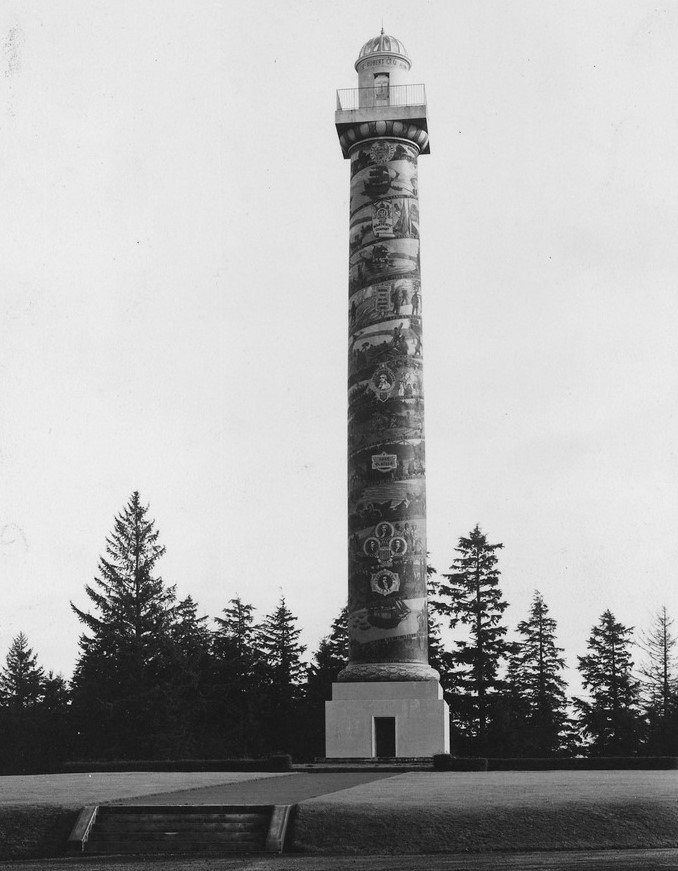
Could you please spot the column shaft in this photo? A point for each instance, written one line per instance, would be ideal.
(386, 460)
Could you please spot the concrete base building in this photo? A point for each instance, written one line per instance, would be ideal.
(388, 700)
(387, 719)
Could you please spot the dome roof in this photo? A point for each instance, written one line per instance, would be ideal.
(382, 43)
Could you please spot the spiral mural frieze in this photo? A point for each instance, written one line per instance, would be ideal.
(386, 449)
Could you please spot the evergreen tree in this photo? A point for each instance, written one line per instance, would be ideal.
(512, 711)
(120, 681)
(236, 630)
(610, 719)
(238, 703)
(278, 641)
(537, 685)
(470, 595)
(33, 713)
(55, 693)
(659, 681)
(328, 660)
(186, 681)
(22, 680)
(439, 656)
(53, 724)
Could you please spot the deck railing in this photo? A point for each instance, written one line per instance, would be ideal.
(381, 95)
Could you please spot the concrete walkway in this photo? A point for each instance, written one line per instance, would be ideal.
(290, 788)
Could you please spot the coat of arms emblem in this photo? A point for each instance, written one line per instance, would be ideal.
(382, 152)
(382, 219)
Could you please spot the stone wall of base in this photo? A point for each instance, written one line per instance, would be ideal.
(421, 718)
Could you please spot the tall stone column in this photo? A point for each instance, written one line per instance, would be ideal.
(386, 457)
(382, 128)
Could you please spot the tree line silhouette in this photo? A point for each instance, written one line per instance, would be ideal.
(154, 680)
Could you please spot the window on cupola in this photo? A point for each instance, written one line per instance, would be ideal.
(381, 88)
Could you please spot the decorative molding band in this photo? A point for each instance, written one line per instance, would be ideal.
(377, 129)
(387, 671)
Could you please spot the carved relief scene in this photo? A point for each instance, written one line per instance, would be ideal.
(387, 564)
(386, 168)
(394, 218)
(388, 631)
(389, 343)
(394, 504)
(364, 157)
(378, 415)
(405, 426)
(387, 492)
(383, 465)
(384, 226)
(378, 302)
(397, 258)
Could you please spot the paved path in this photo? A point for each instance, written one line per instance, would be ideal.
(284, 789)
(585, 860)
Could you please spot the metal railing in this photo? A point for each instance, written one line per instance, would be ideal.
(381, 95)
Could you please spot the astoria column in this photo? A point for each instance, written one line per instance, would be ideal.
(388, 701)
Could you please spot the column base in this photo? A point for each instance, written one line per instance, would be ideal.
(386, 719)
(376, 672)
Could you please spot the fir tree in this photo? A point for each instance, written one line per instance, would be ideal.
(186, 681)
(133, 606)
(659, 682)
(439, 656)
(328, 660)
(22, 680)
(56, 693)
(470, 595)
(238, 701)
(538, 688)
(236, 630)
(120, 680)
(278, 641)
(512, 711)
(610, 719)
(33, 713)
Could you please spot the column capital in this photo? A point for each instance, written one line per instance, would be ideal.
(358, 133)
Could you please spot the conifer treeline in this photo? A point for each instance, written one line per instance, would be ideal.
(154, 681)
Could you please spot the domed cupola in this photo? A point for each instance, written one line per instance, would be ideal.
(383, 44)
(383, 59)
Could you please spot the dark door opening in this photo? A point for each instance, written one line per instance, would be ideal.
(384, 736)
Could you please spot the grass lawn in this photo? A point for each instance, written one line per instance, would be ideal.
(427, 812)
(476, 812)
(77, 790)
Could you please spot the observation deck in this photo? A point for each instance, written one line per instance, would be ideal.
(404, 103)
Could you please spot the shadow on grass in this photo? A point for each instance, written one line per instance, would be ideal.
(364, 829)
(34, 831)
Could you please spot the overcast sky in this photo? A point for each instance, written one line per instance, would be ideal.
(173, 298)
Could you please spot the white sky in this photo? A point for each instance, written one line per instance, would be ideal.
(173, 298)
